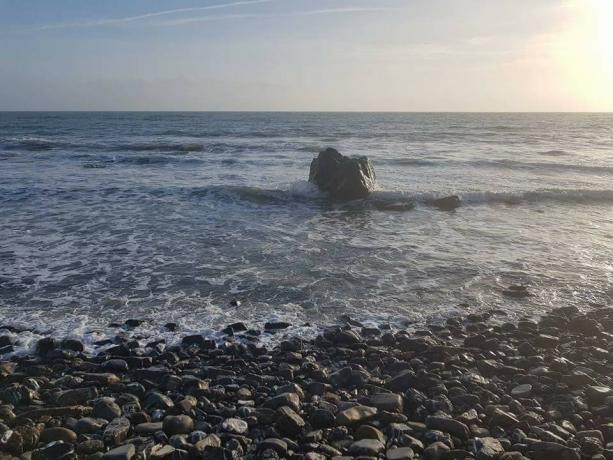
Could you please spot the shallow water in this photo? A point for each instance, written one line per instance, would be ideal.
(170, 216)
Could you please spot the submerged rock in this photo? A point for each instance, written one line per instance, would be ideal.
(448, 203)
(343, 178)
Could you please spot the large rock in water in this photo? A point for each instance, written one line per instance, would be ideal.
(343, 178)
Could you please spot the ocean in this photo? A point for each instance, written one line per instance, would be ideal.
(205, 219)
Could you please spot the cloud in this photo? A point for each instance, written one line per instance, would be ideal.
(182, 21)
(127, 19)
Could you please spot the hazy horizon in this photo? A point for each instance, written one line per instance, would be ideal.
(299, 56)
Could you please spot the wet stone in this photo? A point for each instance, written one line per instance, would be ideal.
(355, 415)
(448, 425)
(106, 408)
(368, 447)
(400, 453)
(125, 452)
(58, 434)
(235, 426)
(177, 424)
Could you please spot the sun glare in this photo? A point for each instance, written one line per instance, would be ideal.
(603, 15)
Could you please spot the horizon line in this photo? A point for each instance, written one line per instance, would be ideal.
(315, 111)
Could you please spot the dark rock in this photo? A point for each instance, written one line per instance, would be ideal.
(55, 451)
(436, 451)
(275, 326)
(132, 323)
(400, 453)
(584, 325)
(90, 446)
(366, 447)
(343, 178)
(322, 418)
(199, 341)
(88, 425)
(390, 402)
(177, 424)
(106, 408)
(235, 426)
(291, 400)
(58, 434)
(289, 422)
(448, 425)
(355, 415)
(125, 452)
(489, 449)
(369, 432)
(72, 344)
(448, 203)
(45, 345)
(117, 431)
(76, 396)
(516, 291)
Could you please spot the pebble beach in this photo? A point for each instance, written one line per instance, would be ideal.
(477, 387)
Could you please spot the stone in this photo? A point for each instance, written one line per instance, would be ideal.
(90, 446)
(369, 432)
(155, 400)
(125, 452)
(106, 408)
(275, 444)
(366, 447)
(177, 424)
(401, 381)
(516, 291)
(199, 341)
(235, 426)
(72, 344)
(55, 451)
(503, 419)
(148, 427)
(596, 393)
(436, 451)
(400, 453)
(289, 422)
(116, 431)
(88, 425)
(584, 325)
(162, 452)
(490, 449)
(291, 400)
(390, 402)
(322, 418)
(45, 345)
(212, 440)
(343, 178)
(58, 434)
(448, 203)
(355, 415)
(76, 396)
(522, 391)
(448, 425)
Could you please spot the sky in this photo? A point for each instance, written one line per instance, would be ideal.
(315, 55)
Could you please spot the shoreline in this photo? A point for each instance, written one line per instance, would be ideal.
(537, 389)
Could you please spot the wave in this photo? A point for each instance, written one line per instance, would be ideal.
(555, 153)
(413, 162)
(308, 194)
(560, 196)
(159, 147)
(532, 166)
(33, 144)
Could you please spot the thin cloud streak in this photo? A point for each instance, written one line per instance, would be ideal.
(179, 22)
(116, 21)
